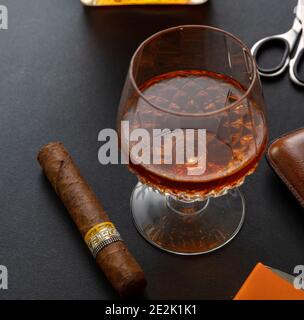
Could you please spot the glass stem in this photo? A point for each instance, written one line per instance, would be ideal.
(186, 207)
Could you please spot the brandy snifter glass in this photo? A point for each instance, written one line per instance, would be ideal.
(195, 79)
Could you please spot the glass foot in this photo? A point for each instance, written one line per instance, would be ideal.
(187, 228)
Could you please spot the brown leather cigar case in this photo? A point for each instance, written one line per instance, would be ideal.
(286, 156)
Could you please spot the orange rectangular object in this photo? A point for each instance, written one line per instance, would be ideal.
(264, 284)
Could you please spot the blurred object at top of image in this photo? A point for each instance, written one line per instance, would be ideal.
(138, 2)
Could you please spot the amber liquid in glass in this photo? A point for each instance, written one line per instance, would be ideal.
(138, 2)
(236, 136)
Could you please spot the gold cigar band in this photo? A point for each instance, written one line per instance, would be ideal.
(100, 236)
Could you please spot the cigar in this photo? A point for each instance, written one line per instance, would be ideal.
(101, 236)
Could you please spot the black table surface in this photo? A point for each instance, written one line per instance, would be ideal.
(62, 71)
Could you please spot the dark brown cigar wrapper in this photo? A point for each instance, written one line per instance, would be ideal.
(115, 260)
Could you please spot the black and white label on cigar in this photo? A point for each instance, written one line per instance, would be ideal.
(100, 236)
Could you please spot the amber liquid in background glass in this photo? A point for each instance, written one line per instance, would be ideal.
(138, 2)
(236, 138)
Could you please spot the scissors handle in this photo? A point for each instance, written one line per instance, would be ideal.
(271, 42)
(295, 63)
(288, 40)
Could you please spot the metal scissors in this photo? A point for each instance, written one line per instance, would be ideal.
(289, 40)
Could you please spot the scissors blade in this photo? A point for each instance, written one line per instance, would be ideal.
(296, 60)
(300, 11)
(300, 16)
